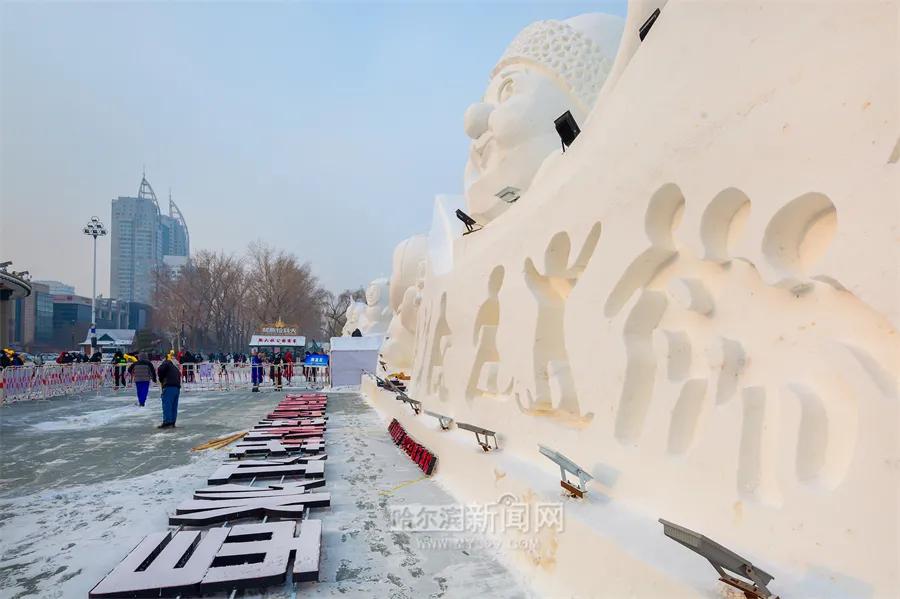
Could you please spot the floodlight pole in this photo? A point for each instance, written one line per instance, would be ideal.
(94, 228)
(94, 300)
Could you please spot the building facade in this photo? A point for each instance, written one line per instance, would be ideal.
(141, 237)
(31, 325)
(71, 320)
(112, 313)
(58, 287)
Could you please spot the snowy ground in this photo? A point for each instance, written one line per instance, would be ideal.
(84, 479)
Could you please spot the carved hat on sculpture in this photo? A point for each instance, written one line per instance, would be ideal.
(550, 67)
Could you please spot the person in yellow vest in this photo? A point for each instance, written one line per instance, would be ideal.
(119, 369)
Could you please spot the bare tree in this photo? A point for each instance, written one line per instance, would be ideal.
(219, 299)
(284, 289)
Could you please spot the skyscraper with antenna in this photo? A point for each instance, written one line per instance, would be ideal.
(143, 240)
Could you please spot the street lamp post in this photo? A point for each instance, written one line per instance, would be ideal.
(94, 228)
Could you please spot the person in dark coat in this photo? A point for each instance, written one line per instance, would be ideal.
(170, 380)
(288, 366)
(277, 367)
(119, 368)
(142, 372)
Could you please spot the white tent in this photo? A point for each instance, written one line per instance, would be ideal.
(350, 356)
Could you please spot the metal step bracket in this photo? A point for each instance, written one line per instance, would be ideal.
(415, 404)
(567, 466)
(479, 433)
(445, 421)
(723, 559)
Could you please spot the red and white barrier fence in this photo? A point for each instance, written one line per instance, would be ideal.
(54, 380)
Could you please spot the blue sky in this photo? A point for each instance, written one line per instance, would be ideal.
(323, 128)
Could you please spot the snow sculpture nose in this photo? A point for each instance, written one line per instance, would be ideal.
(475, 121)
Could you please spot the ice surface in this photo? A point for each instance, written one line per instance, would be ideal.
(75, 500)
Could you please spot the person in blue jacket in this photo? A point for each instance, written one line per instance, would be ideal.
(256, 369)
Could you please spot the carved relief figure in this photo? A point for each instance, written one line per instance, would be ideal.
(687, 337)
(553, 386)
(549, 68)
(440, 342)
(485, 376)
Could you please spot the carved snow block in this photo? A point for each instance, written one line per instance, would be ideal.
(206, 512)
(246, 555)
(292, 467)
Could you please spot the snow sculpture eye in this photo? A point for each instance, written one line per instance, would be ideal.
(507, 89)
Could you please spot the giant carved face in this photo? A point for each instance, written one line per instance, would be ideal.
(549, 68)
(512, 133)
(377, 292)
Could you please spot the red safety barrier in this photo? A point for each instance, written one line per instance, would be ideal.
(422, 457)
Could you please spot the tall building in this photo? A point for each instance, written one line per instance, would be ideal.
(141, 237)
(173, 233)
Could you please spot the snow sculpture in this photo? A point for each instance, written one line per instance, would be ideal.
(354, 318)
(485, 378)
(733, 329)
(439, 338)
(377, 314)
(407, 280)
(554, 388)
(550, 67)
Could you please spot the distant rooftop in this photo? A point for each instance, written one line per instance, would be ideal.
(120, 337)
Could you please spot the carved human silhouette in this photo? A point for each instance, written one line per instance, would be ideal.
(484, 378)
(553, 385)
(439, 344)
(686, 329)
(550, 67)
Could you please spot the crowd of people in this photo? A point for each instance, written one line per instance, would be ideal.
(273, 365)
(170, 370)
